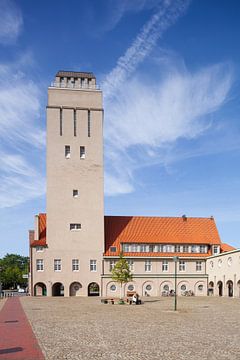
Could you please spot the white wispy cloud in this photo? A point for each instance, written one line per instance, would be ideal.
(116, 9)
(11, 21)
(20, 181)
(168, 13)
(22, 138)
(147, 117)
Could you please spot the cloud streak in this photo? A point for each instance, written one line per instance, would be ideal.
(168, 13)
(147, 118)
(20, 131)
(11, 21)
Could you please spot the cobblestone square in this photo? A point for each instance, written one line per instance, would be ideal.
(83, 328)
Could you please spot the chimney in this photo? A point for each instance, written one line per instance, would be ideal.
(31, 236)
(184, 217)
(36, 225)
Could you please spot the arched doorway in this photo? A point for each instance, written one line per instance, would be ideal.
(211, 288)
(93, 289)
(40, 289)
(58, 289)
(75, 289)
(220, 288)
(230, 288)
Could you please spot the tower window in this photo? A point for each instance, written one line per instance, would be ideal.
(75, 193)
(93, 265)
(67, 151)
(75, 122)
(89, 123)
(82, 152)
(61, 121)
(75, 227)
(39, 264)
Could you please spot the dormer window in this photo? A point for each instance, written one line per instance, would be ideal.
(216, 249)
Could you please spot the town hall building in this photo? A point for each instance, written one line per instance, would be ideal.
(74, 246)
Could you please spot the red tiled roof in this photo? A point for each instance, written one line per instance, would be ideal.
(164, 230)
(42, 231)
(226, 247)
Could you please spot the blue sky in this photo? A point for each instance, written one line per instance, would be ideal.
(170, 75)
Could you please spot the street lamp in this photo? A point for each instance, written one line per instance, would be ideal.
(175, 259)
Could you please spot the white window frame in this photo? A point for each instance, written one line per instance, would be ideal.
(39, 265)
(93, 265)
(202, 249)
(185, 247)
(126, 247)
(148, 265)
(182, 265)
(39, 248)
(134, 248)
(112, 263)
(75, 265)
(198, 265)
(57, 265)
(165, 266)
(131, 265)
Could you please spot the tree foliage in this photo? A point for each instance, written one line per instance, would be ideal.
(12, 268)
(121, 272)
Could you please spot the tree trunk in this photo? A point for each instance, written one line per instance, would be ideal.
(120, 290)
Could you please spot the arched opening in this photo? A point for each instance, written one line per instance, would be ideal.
(165, 288)
(75, 289)
(230, 288)
(93, 289)
(211, 288)
(40, 289)
(220, 288)
(238, 285)
(58, 289)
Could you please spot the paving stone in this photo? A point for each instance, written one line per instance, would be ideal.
(205, 328)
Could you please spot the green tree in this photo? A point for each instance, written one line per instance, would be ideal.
(121, 272)
(12, 268)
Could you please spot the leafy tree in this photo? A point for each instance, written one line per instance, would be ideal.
(121, 272)
(12, 268)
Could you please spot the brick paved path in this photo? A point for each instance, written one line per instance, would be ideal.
(17, 340)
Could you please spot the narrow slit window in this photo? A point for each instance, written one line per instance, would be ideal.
(67, 151)
(82, 152)
(89, 123)
(75, 227)
(61, 122)
(75, 122)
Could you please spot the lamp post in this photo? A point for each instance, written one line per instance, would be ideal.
(175, 259)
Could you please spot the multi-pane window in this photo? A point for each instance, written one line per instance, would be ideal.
(202, 249)
(75, 122)
(39, 248)
(182, 265)
(75, 193)
(39, 264)
(185, 248)
(75, 226)
(93, 265)
(89, 123)
(113, 248)
(177, 248)
(75, 265)
(112, 264)
(57, 265)
(131, 265)
(143, 248)
(67, 151)
(198, 265)
(134, 248)
(126, 248)
(194, 248)
(82, 152)
(215, 249)
(148, 265)
(61, 122)
(165, 265)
